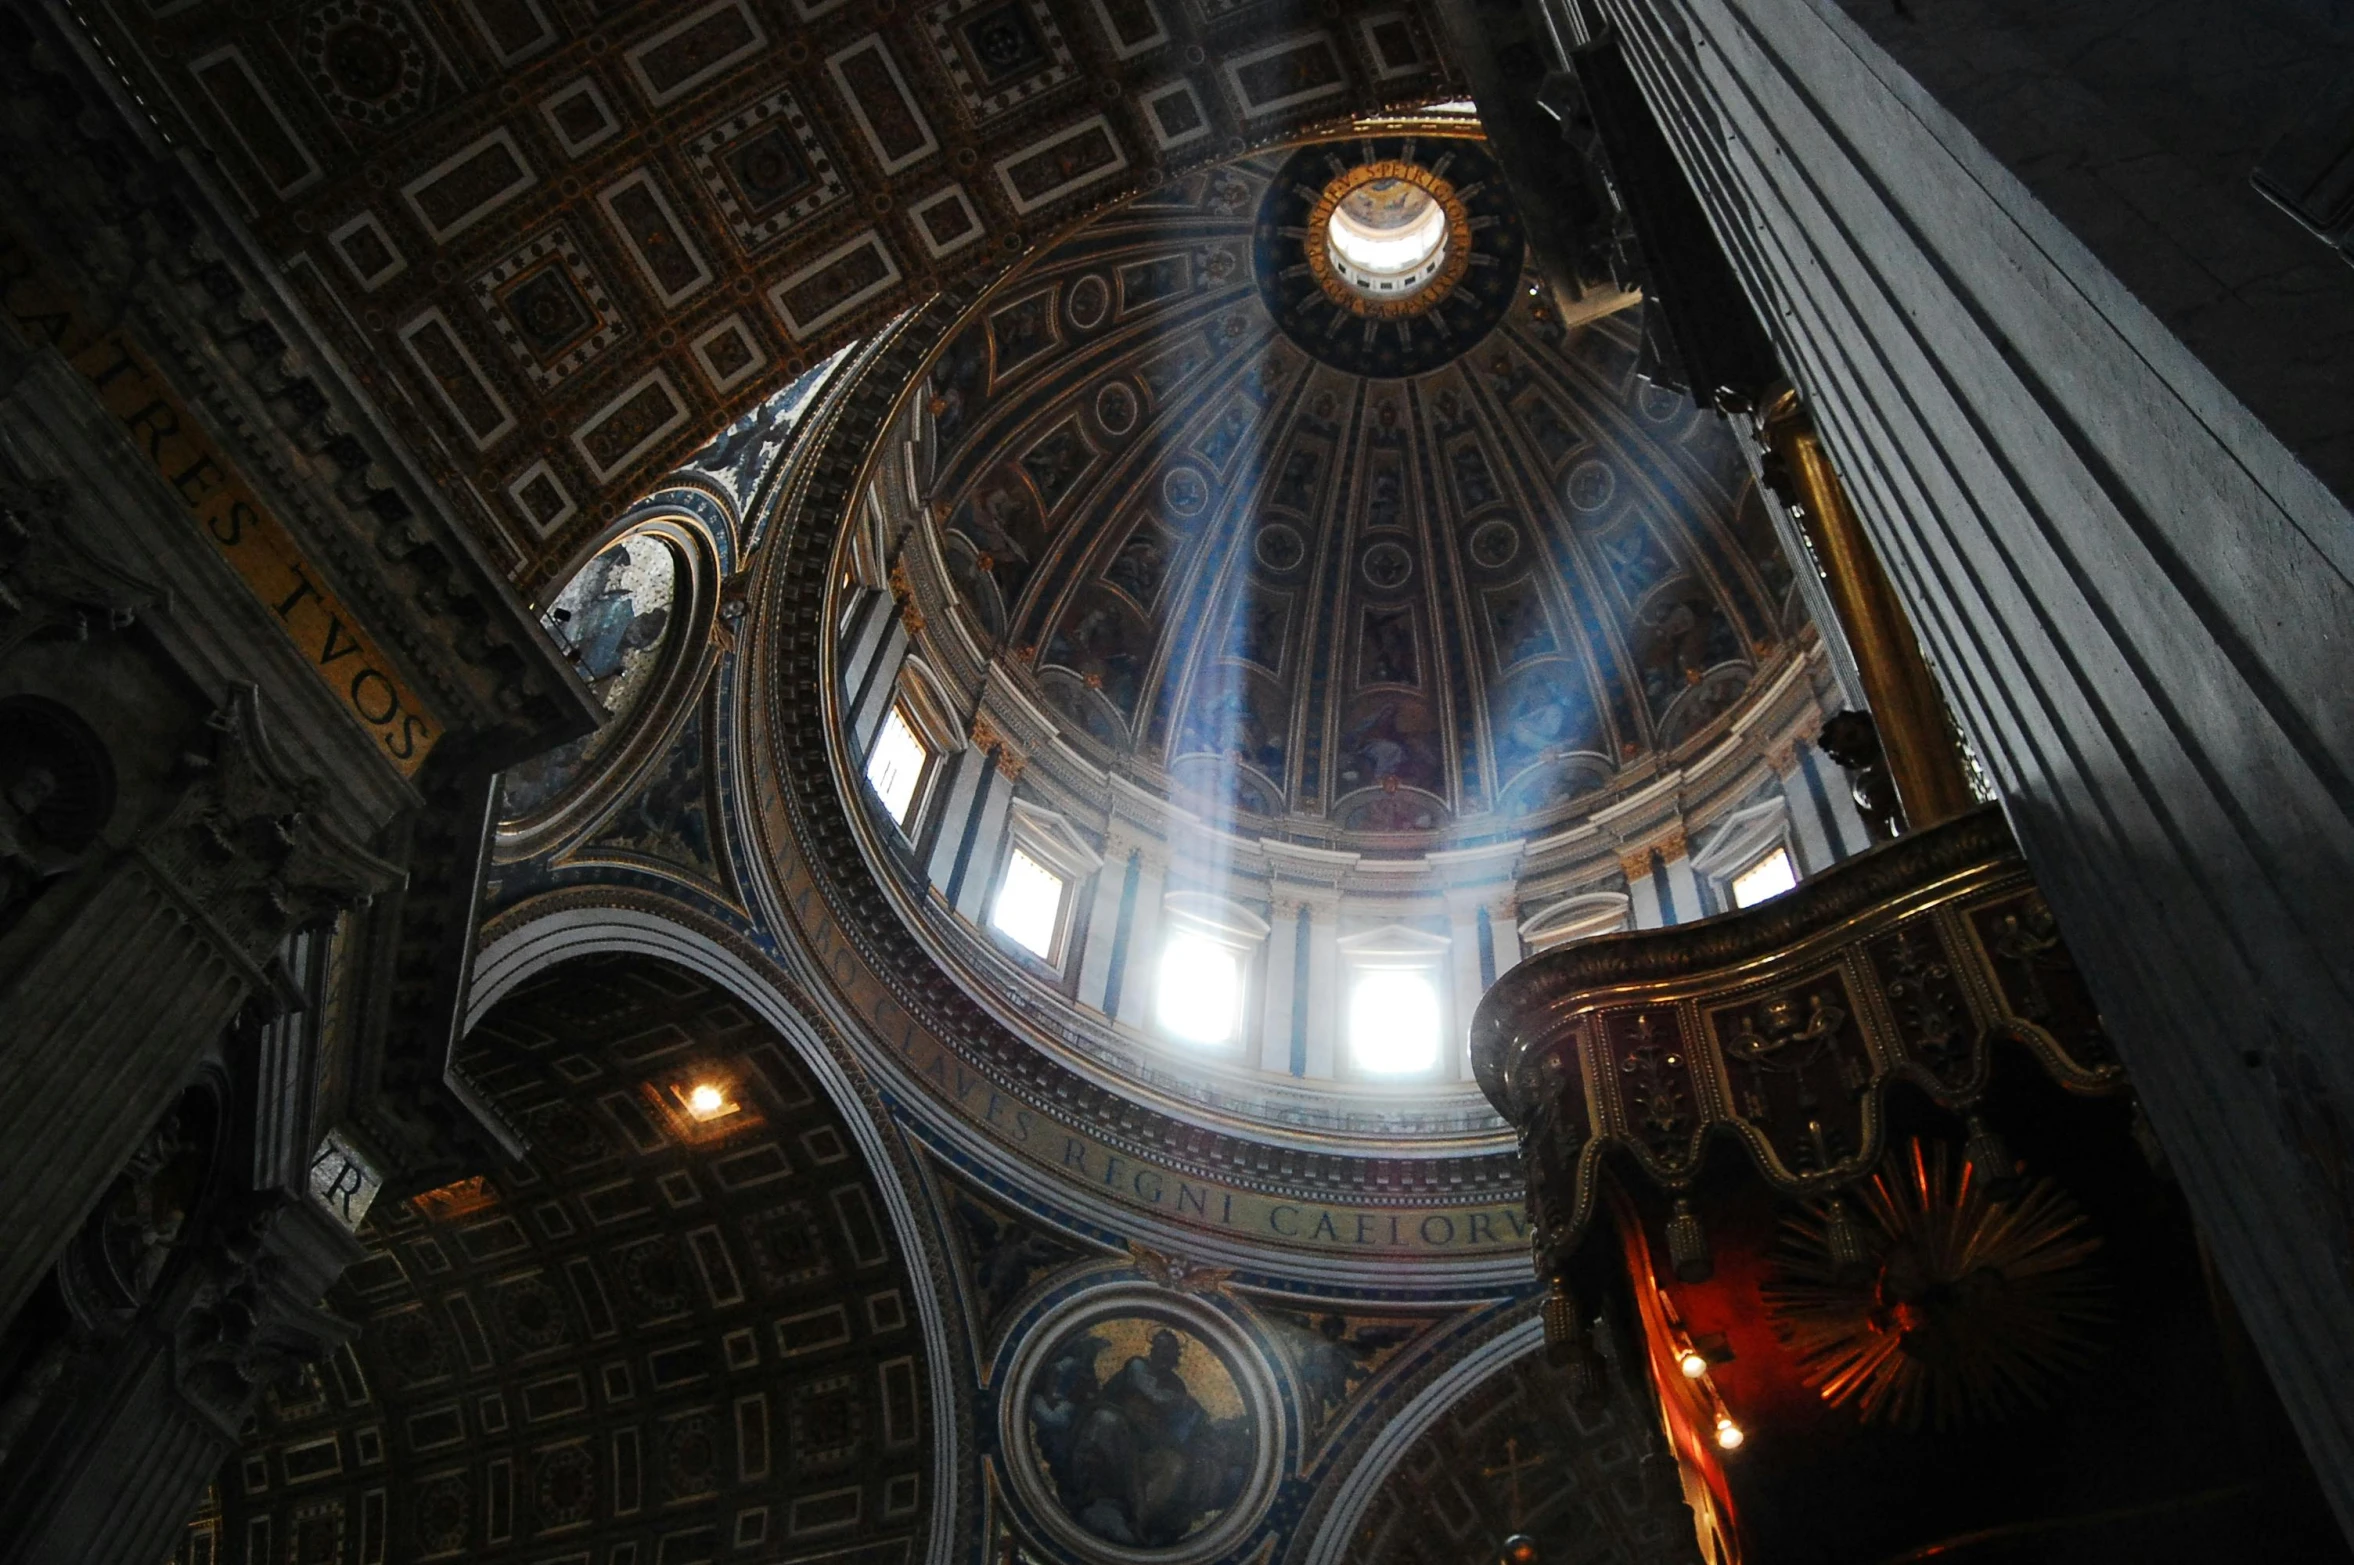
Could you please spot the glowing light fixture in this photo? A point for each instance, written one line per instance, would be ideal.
(703, 1101)
(1768, 877)
(1693, 1364)
(1728, 1433)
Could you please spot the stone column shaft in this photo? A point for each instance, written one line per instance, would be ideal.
(98, 1031)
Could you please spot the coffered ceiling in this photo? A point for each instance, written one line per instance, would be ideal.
(565, 242)
(655, 1338)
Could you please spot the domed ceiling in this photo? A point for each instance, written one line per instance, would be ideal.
(1460, 602)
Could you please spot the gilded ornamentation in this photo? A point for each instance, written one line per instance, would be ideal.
(1179, 1274)
(1365, 179)
(2027, 939)
(1785, 1052)
(1658, 1092)
(1905, 964)
(1960, 1309)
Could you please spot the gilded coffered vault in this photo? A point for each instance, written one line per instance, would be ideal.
(572, 240)
(657, 1333)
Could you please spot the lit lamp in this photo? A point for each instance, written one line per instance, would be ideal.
(704, 1101)
(1728, 1433)
(1700, 1354)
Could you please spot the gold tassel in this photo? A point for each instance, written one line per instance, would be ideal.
(1687, 1244)
(1562, 1328)
(1990, 1160)
(1843, 1237)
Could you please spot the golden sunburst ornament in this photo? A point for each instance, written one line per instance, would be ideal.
(1940, 1303)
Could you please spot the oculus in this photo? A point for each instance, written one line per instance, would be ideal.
(1388, 238)
(1388, 256)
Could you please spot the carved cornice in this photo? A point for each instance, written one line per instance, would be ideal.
(149, 251)
(247, 848)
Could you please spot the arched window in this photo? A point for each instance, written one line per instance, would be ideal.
(1206, 966)
(896, 765)
(1396, 1009)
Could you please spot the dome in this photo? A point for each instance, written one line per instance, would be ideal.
(1381, 613)
(1230, 657)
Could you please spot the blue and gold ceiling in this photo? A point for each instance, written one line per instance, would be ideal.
(1458, 604)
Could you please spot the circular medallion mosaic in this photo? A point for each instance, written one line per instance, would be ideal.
(613, 621)
(1387, 565)
(1142, 1427)
(1279, 548)
(1090, 302)
(1591, 485)
(1115, 408)
(1185, 491)
(1494, 543)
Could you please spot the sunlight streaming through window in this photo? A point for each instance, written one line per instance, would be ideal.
(1768, 877)
(1201, 988)
(896, 764)
(1394, 1021)
(1029, 905)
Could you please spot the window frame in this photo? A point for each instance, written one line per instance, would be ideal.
(910, 821)
(1232, 927)
(1396, 948)
(1733, 880)
(917, 697)
(1050, 842)
(1058, 934)
(1743, 840)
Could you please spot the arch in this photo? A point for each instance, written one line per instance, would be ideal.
(1338, 1527)
(520, 954)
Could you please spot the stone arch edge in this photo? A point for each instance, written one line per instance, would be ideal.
(538, 944)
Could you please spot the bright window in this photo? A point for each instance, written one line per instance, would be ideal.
(1768, 877)
(1201, 988)
(1029, 905)
(1394, 1021)
(896, 764)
